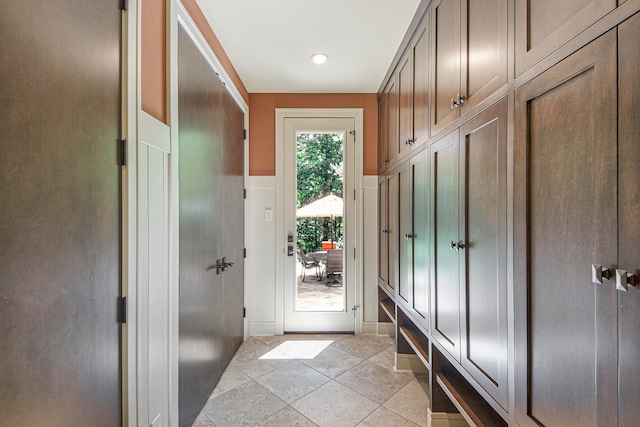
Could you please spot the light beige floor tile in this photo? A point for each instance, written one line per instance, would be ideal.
(411, 402)
(332, 362)
(303, 349)
(383, 417)
(231, 378)
(258, 362)
(292, 381)
(373, 381)
(386, 358)
(287, 417)
(363, 346)
(334, 405)
(272, 339)
(245, 405)
(203, 421)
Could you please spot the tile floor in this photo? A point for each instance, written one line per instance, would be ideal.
(316, 380)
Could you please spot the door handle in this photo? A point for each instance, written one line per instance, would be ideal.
(598, 273)
(457, 245)
(624, 279)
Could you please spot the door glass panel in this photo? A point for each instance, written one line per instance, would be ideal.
(319, 222)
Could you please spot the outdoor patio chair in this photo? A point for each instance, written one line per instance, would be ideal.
(307, 263)
(334, 267)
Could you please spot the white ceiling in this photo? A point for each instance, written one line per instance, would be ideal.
(270, 42)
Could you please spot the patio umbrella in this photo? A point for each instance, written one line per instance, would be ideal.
(330, 206)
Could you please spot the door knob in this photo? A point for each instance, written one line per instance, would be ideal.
(624, 279)
(598, 273)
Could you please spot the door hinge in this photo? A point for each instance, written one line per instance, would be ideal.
(245, 252)
(244, 134)
(124, 5)
(123, 309)
(244, 312)
(354, 194)
(244, 193)
(354, 253)
(123, 152)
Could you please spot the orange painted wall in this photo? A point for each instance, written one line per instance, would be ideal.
(153, 59)
(154, 55)
(262, 124)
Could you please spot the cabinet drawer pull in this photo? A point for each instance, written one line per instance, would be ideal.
(598, 273)
(624, 279)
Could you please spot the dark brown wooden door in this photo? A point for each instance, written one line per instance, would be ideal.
(483, 187)
(211, 218)
(484, 39)
(405, 105)
(60, 213)
(421, 239)
(445, 288)
(445, 59)
(543, 25)
(391, 95)
(628, 221)
(421, 117)
(383, 135)
(393, 231)
(383, 233)
(405, 229)
(565, 221)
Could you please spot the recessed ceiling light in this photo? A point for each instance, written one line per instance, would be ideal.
(319, 58)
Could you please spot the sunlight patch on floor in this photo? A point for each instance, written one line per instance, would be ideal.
(298, 349)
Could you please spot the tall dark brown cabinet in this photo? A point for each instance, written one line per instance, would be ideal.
(211, 159)
(531, 216)
(60, 213)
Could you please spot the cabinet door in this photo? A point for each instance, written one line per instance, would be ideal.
(421, 236)
(543, 25)
(383, 133)
(421, 116)
(445, 60)
(484, 40)
(629, 222)
(445, 289)
(392, 121)
(565, 208)
(405, 247)
(392, 231)
(383, 241)
(405, 106)
(483, 175)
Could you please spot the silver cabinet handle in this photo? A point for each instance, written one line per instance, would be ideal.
(624, 279)
(409, 236)
(598, 273)
(457, 245)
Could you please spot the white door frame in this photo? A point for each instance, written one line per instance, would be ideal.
(279, 217)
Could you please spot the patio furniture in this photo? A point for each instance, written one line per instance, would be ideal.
(307, 263)
(333, 267)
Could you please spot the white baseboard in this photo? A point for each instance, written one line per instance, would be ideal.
(444, 419)
(261, 329)
(410, 362)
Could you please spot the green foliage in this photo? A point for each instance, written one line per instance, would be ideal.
(320, 170)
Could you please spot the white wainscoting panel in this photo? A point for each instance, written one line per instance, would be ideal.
(370, 247)
(260, 284)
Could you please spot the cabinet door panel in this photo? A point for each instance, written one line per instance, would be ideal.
(484, 49)
(393, 231)
(405, 107)
(421, 239)
(565, 211)
(392, 121)
(484, 326)
(628, 222)
(543, 25)
(445, 309)
(445, 51)
(383, 133)
(383, 260)
(405, 250)
(421, 116)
